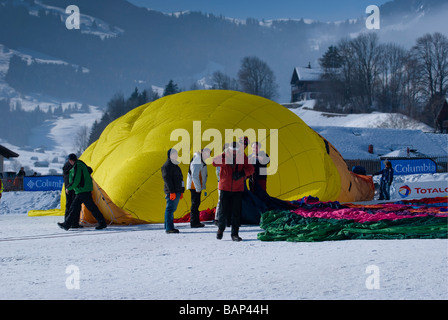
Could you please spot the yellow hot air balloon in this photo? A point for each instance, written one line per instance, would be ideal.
(128, 157)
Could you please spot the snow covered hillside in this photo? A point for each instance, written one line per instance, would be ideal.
(362, 120)
(353, 142)
(351, 134)
(53, 141)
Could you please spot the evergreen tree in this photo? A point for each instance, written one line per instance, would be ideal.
(171, 88)
(331, 60)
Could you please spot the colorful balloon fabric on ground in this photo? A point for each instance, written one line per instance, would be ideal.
(320, 221)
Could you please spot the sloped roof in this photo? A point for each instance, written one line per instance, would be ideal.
(7, 153)
(308, 74)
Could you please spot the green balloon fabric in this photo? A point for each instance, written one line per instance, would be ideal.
(290, 226)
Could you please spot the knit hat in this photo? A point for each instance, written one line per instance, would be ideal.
(72, 157)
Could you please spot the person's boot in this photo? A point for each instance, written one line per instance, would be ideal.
(62, 225)
(219, 234)
(102, 225)
(172, 231)
(197, 225)
(235, 236)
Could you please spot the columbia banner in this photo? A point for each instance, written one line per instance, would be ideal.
(43, 183)
(412, 166)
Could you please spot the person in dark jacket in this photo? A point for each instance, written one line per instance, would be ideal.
(387, 176)
(81, 182)
(235, 168)
(18, 181)
(260, 160)
(70, 195)
(173, 187)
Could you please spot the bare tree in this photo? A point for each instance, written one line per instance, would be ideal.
(356, 72)
(440, 42)
(222, 81)
(431, 54)
(257, 78)
(81, 140)
(391, 77)
(366, 61)
(411, 96)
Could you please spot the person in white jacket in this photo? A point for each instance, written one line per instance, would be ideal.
(196, 182)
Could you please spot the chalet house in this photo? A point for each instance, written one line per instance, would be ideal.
(5, 153)
(306, 83)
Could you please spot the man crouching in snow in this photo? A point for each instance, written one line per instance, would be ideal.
(235, 168)
(81, 182)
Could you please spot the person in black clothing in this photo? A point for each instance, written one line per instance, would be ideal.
(173, 187)
(387, 176)
(260, 160)
(18, 181)
(70, 194)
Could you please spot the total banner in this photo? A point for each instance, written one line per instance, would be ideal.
(43, 183)
(418, 190)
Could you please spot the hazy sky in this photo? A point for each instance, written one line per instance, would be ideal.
(323, 10)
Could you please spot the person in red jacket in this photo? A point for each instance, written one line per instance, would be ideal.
(235, 168)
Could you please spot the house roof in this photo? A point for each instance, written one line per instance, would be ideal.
(307, 74)
(7, 153)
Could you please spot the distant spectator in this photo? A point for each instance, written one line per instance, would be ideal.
(18, 181)
(387, 176)
(21, 172)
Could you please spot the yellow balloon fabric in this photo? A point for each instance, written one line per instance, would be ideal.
(128, 157)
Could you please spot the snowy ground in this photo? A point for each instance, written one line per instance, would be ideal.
(142, 262)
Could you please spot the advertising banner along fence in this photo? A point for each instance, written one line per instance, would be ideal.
(412, 166)
(43, 183)
(419, 190)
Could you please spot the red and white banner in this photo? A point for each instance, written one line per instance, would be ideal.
(418, 190)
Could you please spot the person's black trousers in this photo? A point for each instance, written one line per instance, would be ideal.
(69, 197)
(73, 216)
(194, 209)
(231, 204)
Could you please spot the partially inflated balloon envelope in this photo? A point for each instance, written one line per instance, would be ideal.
(128, 156)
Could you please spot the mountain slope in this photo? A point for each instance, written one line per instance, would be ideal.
(124, 46)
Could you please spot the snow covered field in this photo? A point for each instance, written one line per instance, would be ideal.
(38, 260)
